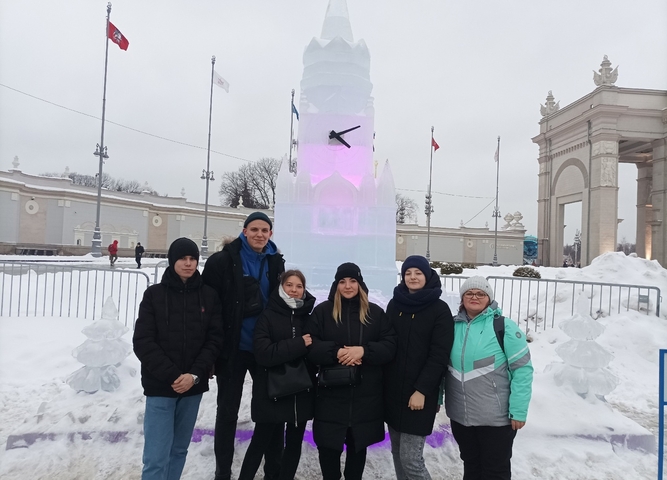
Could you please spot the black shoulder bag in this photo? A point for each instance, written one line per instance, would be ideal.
(289, 378)
(252, 293)
(339, 375)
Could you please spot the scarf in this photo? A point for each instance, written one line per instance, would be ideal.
(292, 303)
(414, 302)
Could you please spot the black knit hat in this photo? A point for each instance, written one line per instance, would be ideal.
(416, 261)
(182, 247)
(347, 270)
(258, 216)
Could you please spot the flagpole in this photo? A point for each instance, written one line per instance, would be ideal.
(208, 174)
(101, 150)
(496, 211)
(292, 168)
(429, 206)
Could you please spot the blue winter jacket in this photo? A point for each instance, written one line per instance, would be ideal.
(483, 385)
(253, 262)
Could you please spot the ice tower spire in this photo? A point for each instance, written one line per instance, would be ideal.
(335, 211)
(337, 21)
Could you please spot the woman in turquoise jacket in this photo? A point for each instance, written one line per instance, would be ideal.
(487, 385)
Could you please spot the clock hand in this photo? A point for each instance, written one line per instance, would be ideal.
(340, 139)
(333, 134)
(349, 130)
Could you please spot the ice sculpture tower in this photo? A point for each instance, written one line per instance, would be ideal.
(335, 210)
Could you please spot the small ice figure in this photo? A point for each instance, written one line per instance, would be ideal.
(585, 361)
(100, 353)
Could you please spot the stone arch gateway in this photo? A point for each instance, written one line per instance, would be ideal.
(580, 147)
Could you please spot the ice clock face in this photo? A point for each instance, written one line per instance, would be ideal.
(337, 139)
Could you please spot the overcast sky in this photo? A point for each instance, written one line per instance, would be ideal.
(472, 69)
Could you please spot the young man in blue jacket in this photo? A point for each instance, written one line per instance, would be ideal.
(244, 274)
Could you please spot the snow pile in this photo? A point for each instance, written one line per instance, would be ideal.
(50, 431)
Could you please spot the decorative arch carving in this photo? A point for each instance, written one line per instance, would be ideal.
(567, 163)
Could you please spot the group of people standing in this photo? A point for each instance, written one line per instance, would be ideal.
(364, 367)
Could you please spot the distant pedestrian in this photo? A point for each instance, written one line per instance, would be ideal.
(138, 253)
(113, 252)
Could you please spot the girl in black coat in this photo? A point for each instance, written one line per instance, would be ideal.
(177, 338)
(425, 331)
(349, 330)
(279, 338)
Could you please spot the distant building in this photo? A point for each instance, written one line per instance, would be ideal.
(51, 214)
(581, 146)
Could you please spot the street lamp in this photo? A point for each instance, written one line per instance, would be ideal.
(96, 246)
(428, 210)
(208, 176)
(496, 210)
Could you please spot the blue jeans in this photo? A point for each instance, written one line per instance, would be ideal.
(168, 426)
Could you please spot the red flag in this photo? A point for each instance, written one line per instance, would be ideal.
(434, 144)
(116, 37)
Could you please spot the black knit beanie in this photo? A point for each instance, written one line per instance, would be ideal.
(182, 247)
(347, 270)
(258, 216)
(416, 261)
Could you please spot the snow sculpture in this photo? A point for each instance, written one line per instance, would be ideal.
(101, 353)
(585, 360)
(335, 210)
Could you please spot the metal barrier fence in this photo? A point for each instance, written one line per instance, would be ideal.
(162, 265)
(39, 289)
(534, 300)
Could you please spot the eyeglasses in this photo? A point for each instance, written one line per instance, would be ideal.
(475, 295)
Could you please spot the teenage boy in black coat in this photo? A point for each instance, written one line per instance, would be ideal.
(177, 338)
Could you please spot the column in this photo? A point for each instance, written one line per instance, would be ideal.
(644, 209)
(658, 202)
(604, 196)
(543, 205)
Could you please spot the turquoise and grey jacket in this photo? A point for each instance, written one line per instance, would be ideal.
(483, 385)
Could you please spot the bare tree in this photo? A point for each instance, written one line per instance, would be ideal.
(406, 209)
(108, 183)
(265, 175)
(626, 247)
(253, 182)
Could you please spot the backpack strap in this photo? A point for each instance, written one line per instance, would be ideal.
(499, 328)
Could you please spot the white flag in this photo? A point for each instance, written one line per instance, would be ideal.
(495, 157)
(220, 82)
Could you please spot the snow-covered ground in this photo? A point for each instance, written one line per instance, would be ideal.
(98, 436)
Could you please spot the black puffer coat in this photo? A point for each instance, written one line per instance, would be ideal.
(224, 272)
(179, 330)
(274, 345)
(425, 331)
(358, 407)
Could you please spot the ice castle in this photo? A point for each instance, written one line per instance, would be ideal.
(337, 208)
